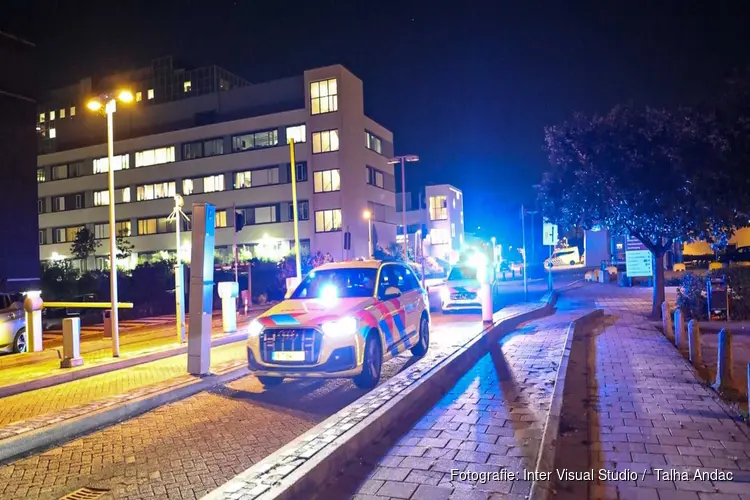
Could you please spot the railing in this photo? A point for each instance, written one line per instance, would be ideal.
(90, 305)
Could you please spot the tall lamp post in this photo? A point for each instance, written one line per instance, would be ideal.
(367, 215)
(108, 104)
(401, 160)
(295, 212)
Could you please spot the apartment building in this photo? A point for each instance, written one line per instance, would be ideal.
(219, 139)
(19, 253)
(439, 218)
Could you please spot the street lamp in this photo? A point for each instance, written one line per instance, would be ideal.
(401, 160)
(367, 215)
(108, 104)
(295, 213)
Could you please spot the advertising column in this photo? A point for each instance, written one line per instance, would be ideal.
(201, 288)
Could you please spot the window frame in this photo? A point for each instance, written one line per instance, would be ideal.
(332, 212)
(331, 99)
(318, 146)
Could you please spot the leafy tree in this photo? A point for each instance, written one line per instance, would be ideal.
(655, 175)
(124, 246)
(85, 244)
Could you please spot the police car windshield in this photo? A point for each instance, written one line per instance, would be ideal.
(337, 283)
(462, 273)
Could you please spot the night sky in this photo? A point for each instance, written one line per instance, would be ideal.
(468, 86)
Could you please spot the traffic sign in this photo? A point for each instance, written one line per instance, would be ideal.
(549, 234)
(638, 259)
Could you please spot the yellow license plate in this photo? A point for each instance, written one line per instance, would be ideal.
(288, 356)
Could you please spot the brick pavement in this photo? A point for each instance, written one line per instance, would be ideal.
(492, 420)
(647, 410)
(187, 448)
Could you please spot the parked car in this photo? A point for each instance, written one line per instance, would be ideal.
(563, 257)
(461, 290)
(12, 323)
(740, 254)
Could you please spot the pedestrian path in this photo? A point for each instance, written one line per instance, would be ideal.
(491, 420)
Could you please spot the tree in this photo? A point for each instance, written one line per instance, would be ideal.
(652, 174)
(85, 244)
(124, 247)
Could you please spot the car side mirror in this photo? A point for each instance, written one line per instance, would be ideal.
(392, 292)
(288, 293)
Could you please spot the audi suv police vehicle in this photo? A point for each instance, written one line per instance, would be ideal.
(344, 319)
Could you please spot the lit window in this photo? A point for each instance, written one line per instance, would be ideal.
(327, 221)
(243, 180)
(138, 96)
(150, 93)
(41, 118)
(101, 198)
(213, 183)
(375, 177)
(52, 133)
(438, 208)
(373, 142)
(154, 157)
(187, 187)
(454, 203)
(254, 178)
(255, 140)
(265, 215)
(51, 116)
(326, 181)
(146, 226)
(41, 175)
(62, 113)
(439, 236)
(126, 195)
(119, 162)
(155, 191)
(187, 86)
(324, 97)
(72, 111)
(325, 141)
(221, 218)
(297, 133)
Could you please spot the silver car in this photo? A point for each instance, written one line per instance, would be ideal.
(12, 324)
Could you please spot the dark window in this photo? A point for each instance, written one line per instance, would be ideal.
(40, 206)
(303, 210)
(255, 140)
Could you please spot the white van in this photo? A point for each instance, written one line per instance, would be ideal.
(563, 257)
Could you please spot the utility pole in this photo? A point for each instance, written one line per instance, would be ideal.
(523, 238)
(179, 281)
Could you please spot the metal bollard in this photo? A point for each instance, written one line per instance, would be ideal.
(71, 343)
(228, 291)
(107, 323)
(694, 342)
(724, 362)
(679, 328)
(486, 291)
(666, 319)
(32, 307)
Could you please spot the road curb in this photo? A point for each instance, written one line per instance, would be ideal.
(69, 376)
(540, 490)
(52, 435)
(292, 473)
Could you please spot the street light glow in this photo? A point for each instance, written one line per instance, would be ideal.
(94, 104)
(125, 96)
(366, 214)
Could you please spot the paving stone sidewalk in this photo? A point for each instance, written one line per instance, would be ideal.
(491, 420)
(649, 411)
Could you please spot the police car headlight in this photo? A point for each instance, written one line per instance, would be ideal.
(343, 326)
(445, 294)
(254, 329)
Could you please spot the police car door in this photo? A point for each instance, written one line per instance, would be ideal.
(411, 299)
(391, 322)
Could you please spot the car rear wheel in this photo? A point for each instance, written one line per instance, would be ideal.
(372, 365)
(424, 338)
(572, 263)
(20, 342)
(270, 381)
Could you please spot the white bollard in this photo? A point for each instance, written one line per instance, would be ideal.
(486, 296)
(32, 307)
(71, 343)
(228, 291)
(694, 342)
(724, 361)
(666, 319)
(679, 328)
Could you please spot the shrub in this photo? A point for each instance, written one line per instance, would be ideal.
(691, 295)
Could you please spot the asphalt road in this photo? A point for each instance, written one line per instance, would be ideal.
(187, 448)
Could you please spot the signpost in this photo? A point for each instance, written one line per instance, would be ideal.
(549, 238)
(638, 259)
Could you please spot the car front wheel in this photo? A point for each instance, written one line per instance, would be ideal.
(20, 342)
(424, 339)
(373, 363)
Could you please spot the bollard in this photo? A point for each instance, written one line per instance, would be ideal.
(679, 328)
(694, 342)
(724, 362)
(32, 307)
(71, 343)
(244, 298)
(228, 291)
(486, 297)
(666, 319)
(107, 323)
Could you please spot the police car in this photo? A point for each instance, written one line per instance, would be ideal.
(343, 320)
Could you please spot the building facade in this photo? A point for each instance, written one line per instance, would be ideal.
(223, 141)
(439, 219)
(19, 252)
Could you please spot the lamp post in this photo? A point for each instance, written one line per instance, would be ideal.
(108, 103)
(367, 215)
(179, 293)
(295, 214)
(401, 160)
